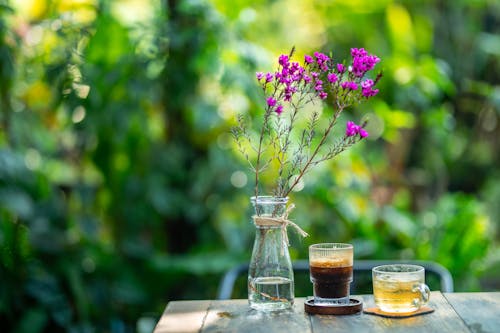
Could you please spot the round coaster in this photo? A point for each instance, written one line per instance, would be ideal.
(354, 306)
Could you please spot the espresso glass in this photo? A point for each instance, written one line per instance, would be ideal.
(399, 288)
(330, 266)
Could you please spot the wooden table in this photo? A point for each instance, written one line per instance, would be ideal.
(454, 312)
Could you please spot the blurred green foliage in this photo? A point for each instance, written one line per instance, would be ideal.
(120, 188)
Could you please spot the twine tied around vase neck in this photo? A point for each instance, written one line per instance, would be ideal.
(282, 221)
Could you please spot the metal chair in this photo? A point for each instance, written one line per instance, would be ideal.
(360, 267)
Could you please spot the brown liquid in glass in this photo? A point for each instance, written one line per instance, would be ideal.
(330, 282)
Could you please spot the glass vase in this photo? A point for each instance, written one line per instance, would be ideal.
(270, 273)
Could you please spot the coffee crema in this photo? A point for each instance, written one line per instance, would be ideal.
(330, 262)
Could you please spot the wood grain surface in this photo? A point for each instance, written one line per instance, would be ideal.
(182, 317)
(481, 313)
(443, 319)
(454, 312)
(236, 316)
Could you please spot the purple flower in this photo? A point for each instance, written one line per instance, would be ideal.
(279, 109)
(362, 62)
(341, 68)
(349, 85)
(308, 59)
(367, 88)
(283, 60)
(358, 52)
(259, 75)
(367, 84)
(369, 92)
(271, 101)
(269, 77)
(322, 60)
(323, 95)
(321, 57)
(283, 77)
(372, 60)
(332, 78)
(352, 129)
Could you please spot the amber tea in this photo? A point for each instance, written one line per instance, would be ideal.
(399, 288)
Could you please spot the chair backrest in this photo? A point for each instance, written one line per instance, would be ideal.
(434, 273)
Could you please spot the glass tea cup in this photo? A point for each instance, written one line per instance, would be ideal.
(330, 266)
(399, 288)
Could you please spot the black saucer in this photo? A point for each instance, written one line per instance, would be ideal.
(354, 306)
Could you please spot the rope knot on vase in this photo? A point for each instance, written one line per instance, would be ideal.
(282, 221)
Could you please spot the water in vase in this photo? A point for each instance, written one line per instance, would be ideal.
(270, 293)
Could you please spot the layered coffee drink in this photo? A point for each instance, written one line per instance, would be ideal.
(331, 278)
(330, 266)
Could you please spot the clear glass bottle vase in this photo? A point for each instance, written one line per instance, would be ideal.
(270, 273)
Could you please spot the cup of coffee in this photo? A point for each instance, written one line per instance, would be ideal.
(399, 288)
(330, 266)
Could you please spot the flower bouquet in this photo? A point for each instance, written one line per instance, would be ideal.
(290, 141)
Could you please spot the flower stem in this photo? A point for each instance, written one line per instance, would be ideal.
(313, 155)
(259, 149)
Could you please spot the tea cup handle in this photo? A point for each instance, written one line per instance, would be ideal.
(425, 294)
